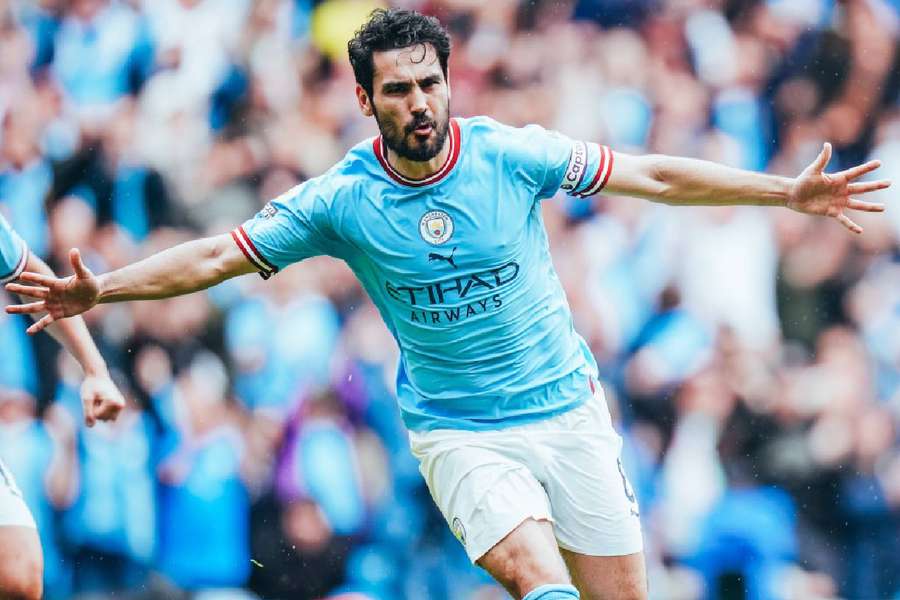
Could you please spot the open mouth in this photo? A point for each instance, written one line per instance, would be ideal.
(423, 129)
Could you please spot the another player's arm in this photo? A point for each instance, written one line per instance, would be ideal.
(686, 181)
(72, 333)
(100, 397)
(182, 269)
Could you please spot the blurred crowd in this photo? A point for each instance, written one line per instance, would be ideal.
(750, 356)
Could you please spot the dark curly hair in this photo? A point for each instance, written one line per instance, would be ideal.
(389, 29)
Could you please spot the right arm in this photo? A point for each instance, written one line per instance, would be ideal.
(290, 228)
(182, 269)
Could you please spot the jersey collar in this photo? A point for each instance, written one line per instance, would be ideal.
(455, 143)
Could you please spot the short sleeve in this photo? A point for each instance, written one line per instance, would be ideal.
(13, 253)
(555, 162)
(290, 228)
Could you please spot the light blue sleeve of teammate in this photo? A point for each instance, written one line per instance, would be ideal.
(13, 252)
(290, 228)
(555, 162)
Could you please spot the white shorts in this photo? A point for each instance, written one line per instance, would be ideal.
(565, 470)
(13, 511)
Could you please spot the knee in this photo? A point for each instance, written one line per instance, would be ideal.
(634, 589)
(22, 589)
(634, 592)
(521, 571)
(22, 580)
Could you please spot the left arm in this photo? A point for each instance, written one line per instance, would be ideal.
(686, 181)
(100, 397)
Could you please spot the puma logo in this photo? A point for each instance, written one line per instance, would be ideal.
(433, 256)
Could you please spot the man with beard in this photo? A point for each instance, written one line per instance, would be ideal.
(440, 220)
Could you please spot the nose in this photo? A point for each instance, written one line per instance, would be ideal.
(417, 101)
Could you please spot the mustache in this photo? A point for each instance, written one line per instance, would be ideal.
(418, 122)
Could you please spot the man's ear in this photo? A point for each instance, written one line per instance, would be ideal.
(365, 102)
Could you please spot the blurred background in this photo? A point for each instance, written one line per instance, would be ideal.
(750, 356)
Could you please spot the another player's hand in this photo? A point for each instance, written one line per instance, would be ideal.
(816, 192)
(101, 399)
(59, 298)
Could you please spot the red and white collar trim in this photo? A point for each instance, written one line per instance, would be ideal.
(452, 156)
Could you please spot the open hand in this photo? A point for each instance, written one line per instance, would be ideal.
(59, 298)
(816, 192)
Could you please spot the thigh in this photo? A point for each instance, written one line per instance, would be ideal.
(594, 506)
(21, 560)
(483, 494)
(526, 558)
(608, 577)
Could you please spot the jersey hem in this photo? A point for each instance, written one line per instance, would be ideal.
(243, 241)
(428, 424)
(601, 177)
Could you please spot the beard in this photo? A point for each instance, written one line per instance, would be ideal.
(397, 137)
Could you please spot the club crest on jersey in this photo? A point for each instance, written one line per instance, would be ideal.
(436, 227)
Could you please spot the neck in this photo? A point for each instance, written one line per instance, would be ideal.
(414, 169)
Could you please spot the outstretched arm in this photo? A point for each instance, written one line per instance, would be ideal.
(182, 269)
(100, 397)
(685, 181)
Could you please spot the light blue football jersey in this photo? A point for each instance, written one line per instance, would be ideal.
(458, 265)
(13, 252)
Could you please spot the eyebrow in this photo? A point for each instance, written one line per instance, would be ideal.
(399, 86)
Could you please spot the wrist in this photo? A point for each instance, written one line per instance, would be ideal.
(103, 288)
(96, 369)
(783, 191)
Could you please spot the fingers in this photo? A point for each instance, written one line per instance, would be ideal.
(822, 160)
(868, 186)
(38, 279)
(103, 405)
(40, 325)
(859, 170)
(109, 411)
(81, 271)
(865, 206)
(27, 309)
(848, 223)
(28, 290)
(89, 419)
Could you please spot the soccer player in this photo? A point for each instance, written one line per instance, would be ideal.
(440, 219)
(21, 561)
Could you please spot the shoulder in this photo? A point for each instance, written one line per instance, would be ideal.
(345, 181)
(488, 127)
(493, 134)
(483, 128)
(490, 139)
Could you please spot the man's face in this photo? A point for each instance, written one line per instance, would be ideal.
(410, 101)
